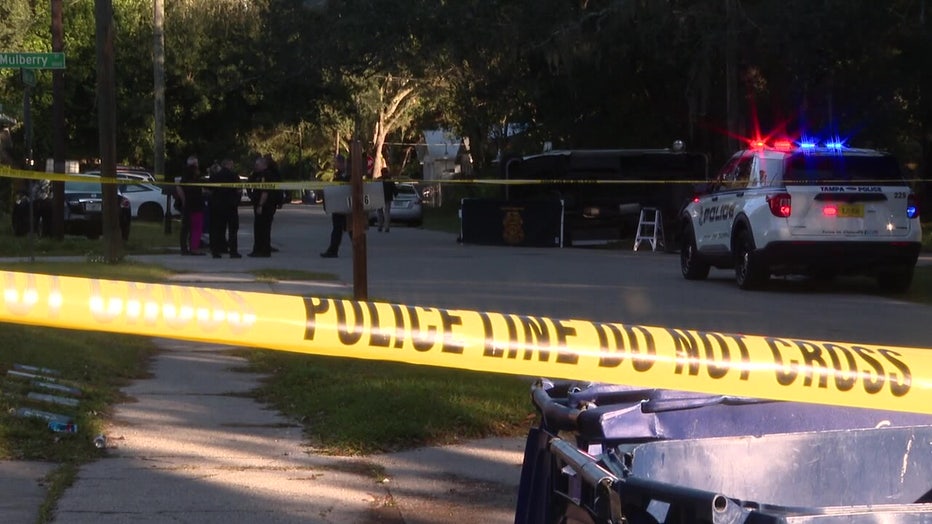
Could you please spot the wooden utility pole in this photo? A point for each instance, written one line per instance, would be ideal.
(106, 118)
(359, 223)
(58, 125)
(158, 74)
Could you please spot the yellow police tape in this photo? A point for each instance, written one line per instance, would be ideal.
(7, 172)
(790, 369)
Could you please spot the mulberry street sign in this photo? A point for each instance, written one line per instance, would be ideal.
(32, 60)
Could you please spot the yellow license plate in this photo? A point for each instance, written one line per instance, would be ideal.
(851, 211)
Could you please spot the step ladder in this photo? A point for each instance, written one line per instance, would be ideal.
(650, 228)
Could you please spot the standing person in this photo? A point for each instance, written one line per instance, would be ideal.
(191, 200)
(388, 192)
(265, 202)
(338, 220)
(224, 212)
(279, 195)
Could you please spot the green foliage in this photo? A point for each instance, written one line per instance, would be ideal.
(297, 79)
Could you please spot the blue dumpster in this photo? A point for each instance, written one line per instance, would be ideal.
(616, 454)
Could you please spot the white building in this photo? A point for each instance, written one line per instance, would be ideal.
(443, 156)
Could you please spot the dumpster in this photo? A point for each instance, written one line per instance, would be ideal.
(612, 454)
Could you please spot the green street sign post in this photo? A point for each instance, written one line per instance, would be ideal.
(32, 60)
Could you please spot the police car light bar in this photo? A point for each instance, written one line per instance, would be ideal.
(806, 145)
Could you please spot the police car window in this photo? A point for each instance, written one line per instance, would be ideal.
(738, 175)
(770, 169)
(820, 169)
(721, 180)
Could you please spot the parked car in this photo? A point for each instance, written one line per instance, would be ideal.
(84, 209)
(129, 174)
(83, 212)
(147, 202)
(408, 206)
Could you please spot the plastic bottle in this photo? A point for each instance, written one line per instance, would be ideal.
(63, 427)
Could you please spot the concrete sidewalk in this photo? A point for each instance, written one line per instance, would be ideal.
(192, 446)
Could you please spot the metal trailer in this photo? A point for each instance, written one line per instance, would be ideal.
(617, 454)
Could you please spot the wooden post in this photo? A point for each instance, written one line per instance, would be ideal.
(358, 223)
(58, 125)
(158, 75)
(106, 118)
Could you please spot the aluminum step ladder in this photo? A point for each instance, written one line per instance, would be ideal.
(650, 228)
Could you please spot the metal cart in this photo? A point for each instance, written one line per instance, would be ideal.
(617, 454)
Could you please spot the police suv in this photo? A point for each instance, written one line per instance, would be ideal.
(804, 208)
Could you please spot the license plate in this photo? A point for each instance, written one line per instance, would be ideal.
(851, 211)
(92, 206)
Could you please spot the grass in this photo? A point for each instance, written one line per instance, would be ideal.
(276, 275)
(96, 363)
(445, 218)
(144, 238)
(127, 271)
(358, 407)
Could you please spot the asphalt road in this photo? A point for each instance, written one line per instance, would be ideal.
(422, 267)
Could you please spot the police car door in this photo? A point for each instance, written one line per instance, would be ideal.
(718, 210)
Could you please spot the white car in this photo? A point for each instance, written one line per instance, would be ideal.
(803, 208)
(141, 176)
(147, 202)
(407, 206)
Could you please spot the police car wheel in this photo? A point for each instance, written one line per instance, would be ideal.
(749, 273)
(690, 264)
(895, 280)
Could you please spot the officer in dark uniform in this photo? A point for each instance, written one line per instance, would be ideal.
(224, 212)
(265, 203)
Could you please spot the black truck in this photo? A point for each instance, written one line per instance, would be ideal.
(604, 190)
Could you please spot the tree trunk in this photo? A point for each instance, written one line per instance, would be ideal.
(392, 114)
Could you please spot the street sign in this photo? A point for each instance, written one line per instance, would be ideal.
(29, 77)
(32, 60)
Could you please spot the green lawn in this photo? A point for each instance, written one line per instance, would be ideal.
(351, 406)
(144, 238)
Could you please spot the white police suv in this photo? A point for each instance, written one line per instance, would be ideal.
(804, 208)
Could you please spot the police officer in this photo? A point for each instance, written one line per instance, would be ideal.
(224, 212)
(265, 203)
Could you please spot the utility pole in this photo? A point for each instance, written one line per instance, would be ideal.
(58, 125)
(731, 75)
(106, 118)
(359, 222)
(158, 74)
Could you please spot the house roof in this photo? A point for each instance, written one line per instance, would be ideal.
(439, 144)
